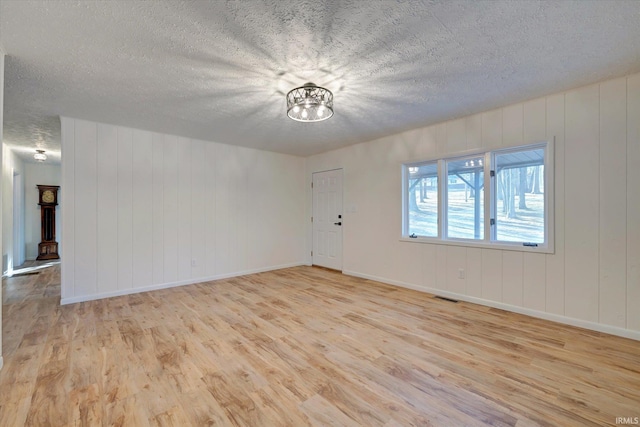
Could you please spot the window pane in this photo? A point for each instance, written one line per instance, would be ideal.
(423, 199)
(520, 196)
(465, 198)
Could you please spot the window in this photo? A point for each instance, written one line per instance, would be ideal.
(519, 211)
(500, 198)
(422, 203)
(465, 198)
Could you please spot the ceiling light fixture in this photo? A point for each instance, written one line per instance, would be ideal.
(310, 103)
(40, 156)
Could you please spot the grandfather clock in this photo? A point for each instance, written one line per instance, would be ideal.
(48, 200)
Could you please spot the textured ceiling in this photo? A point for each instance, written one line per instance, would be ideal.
(219, 71)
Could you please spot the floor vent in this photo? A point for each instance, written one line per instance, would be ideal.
(446, 299)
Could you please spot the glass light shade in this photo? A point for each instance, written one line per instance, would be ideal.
(40, 156)
(309, 103)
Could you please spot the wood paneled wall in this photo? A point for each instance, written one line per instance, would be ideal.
(143, 210)
(592, 279)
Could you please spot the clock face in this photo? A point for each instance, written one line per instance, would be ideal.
(47, 196)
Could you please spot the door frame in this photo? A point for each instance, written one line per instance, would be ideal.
(18, 257)
(343, 217)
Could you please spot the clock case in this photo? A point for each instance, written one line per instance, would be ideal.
(48, 247)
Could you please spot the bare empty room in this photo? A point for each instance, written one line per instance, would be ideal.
(295, 213)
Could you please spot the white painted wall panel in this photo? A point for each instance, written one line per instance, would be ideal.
(512, 125)
(428, 144)
(441, 137)
(68, 207)
(170, 201)
(157, 241)
(613, 202)
(184, 208)
(241, 205)
(429, 267)
(441, 267)
(492, 275)
(407, 148)
(210, 213)
(534, 276)
(473, 274)
(456, 261)
(534, 125)
(492, 129)
(555, 292)
(582, 172)
(199, 199)
(512, 271)
(142, 221)
(254, 228)
(354, 208)
(456, 135)
(86, 203)
(124, 209)
(107, 238)
(289, 216)
(292, 211)
(633, 203)
(412, 259)
(225, 220)
(474, 131)
(389, 182)
(367, 215)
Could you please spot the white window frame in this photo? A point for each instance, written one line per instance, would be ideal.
(405, 200)
(443, 210)
(490, 201)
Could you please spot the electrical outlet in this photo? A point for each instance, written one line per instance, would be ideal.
(461, 273)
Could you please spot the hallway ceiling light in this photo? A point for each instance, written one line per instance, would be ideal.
(310, 103)
(40, 156)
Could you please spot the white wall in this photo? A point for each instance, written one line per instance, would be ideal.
(18, 218)
(592, 280)
(1, 162)
(139, 207)
(39, 174)
(11, 164)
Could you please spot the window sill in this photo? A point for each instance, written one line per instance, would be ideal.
(483, 245)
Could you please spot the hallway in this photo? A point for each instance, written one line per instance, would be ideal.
(31, 296)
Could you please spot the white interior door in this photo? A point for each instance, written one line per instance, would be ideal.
(327, 219)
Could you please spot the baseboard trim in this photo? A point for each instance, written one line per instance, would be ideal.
(121, 292)
(598, 327)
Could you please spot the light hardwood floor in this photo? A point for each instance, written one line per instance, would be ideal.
(298, 347)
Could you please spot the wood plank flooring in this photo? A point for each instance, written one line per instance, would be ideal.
(300, 347)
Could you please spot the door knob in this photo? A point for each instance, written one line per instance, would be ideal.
(337, 223)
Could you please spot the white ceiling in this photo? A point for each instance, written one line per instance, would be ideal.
(219, 71)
